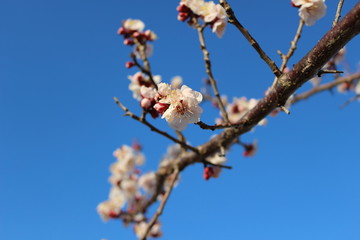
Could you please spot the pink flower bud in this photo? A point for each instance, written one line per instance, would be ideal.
(183, 16)
(292, 4)
(161, 107)
(121, 31)
(129, 64)
(182, 8)
(136, 34)
(145, 103)
(128, 42)
(208, 173)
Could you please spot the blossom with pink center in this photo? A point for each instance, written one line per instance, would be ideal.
(108, 209)
(310, 10)
(183, 106)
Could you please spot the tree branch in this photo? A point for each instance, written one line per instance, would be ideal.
(233, 20)
(162, 205)
(209, 71)
(153, 128)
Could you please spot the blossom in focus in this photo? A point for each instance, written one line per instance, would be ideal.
(310, 10)
(183, 106)
(209, 12)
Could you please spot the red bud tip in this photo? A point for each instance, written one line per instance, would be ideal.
(129, 64)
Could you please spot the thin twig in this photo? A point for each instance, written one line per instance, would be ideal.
(233, 20)
(357, 96)
(153, 128)
(162, 205)
(209, 71)
(324, 87)
(214, 127)
(338, 13)
(146, 69)
(325, 71)
(217, 165)
(286, 58)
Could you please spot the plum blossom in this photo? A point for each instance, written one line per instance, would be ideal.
(141, 227)
(182, 106)
(108, 209)
(310, 10)
(139, 79)
(209, 12)
(134, 25)
(148, 182)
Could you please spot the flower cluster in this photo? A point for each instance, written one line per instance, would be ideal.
(129, 188)
(212, 14)
(132, 31)
(238, 108)
(310, 10)
(179, 107)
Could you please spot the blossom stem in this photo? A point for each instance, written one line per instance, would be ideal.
(357, 96)
(146, 69)
(209, 71)
(160, 209)
(233, 20)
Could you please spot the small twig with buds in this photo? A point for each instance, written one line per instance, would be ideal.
(285, 58)
(233, 20)
(153, 128)
(160, 209)
(214, 127)
(321, 72)
(338, 13)
(209, 71)
(146, 69)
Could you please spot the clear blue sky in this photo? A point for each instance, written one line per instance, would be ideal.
(61, 63)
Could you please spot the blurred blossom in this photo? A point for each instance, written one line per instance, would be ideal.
(310, 10)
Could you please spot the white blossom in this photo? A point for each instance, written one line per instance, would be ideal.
(310, 10)
(108, 209)
(176, 82)
(148, 182)
(134, 25)
(183, 107)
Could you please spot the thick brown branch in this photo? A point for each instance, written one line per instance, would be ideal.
(233, 20)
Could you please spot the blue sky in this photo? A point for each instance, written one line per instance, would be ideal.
(62, 63)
